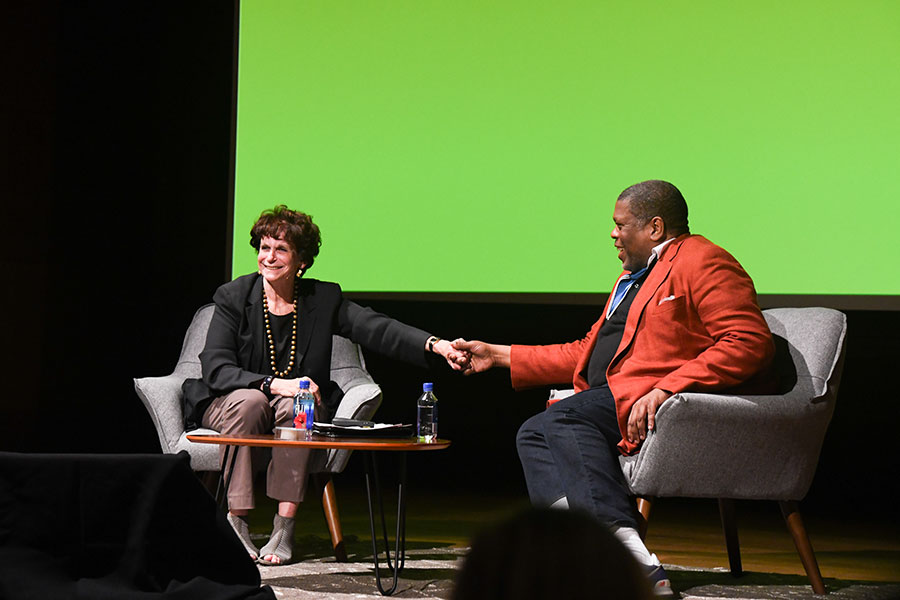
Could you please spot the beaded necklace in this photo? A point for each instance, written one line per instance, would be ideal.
(272, 358)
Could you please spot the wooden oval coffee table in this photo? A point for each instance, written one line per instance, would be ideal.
(369, 445)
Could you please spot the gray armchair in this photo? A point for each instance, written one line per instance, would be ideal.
(162, 398)
(751, 447)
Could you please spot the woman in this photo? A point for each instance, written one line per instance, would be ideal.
(269, 331)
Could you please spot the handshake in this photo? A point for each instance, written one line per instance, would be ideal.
(472, 356)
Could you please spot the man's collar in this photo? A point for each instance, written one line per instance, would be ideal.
(657, 251)
(654, 256)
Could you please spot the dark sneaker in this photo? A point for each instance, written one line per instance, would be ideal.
(659, 581)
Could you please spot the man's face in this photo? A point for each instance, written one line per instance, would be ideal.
(631, 238)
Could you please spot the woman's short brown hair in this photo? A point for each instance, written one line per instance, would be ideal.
(294, 227)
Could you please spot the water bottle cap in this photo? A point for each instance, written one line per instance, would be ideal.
(427, 387)
(304, 384)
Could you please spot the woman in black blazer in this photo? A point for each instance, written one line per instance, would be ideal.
(270, 330)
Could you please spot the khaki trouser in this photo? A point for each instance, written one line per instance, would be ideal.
(248, 411)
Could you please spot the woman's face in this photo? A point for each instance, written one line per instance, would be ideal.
(277, 260)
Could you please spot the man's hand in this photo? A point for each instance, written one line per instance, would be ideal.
(483, 356)
(643, 415)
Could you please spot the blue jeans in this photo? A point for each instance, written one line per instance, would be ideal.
(570, 450)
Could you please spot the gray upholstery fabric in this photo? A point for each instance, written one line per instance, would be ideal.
(362, 397)
(162, 398)
(750, 447)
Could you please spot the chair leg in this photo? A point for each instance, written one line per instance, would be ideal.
(729, 528)
(644, 504)
(791, 512)
(329, 505)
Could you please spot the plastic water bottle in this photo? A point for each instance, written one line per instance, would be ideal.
(304, 408)
(427, 414)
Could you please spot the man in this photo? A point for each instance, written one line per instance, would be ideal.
(683, 316)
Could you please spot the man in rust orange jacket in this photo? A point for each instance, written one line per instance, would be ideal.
(683, 316)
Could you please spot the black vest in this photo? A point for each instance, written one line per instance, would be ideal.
(610, 335)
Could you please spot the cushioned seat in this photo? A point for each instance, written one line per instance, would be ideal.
(162, 397)
(751, 447)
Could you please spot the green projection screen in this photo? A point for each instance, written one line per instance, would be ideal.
(474, 146)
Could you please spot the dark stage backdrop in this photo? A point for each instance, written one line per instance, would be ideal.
(115, 207)
(116, 227)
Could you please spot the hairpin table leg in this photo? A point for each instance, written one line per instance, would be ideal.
(400, 537)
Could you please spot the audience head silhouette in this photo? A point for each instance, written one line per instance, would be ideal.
(547, 553)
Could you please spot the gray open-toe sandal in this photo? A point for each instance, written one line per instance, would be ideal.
(281, 544)
(242, 529)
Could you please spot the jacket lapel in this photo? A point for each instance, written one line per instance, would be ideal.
(658, 274)
(306, 317)
(254, 345)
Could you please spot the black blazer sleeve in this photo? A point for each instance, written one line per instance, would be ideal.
(235, 353)
(380, 333)
(228, 352)
(233, 344)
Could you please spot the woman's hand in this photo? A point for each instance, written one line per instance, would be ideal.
(457, 359)
(290, 387)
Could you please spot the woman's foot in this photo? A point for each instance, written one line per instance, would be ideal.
(242, 529)
(280, 547)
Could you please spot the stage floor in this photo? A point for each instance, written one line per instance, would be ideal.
(857, 559)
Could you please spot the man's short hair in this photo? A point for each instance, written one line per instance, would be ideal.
(657, 198)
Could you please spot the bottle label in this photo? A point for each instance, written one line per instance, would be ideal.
(310, 416)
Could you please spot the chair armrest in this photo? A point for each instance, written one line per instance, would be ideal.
(204, 457)
(360, 402)
(162, 399)
(712, 445)
(557, 395)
